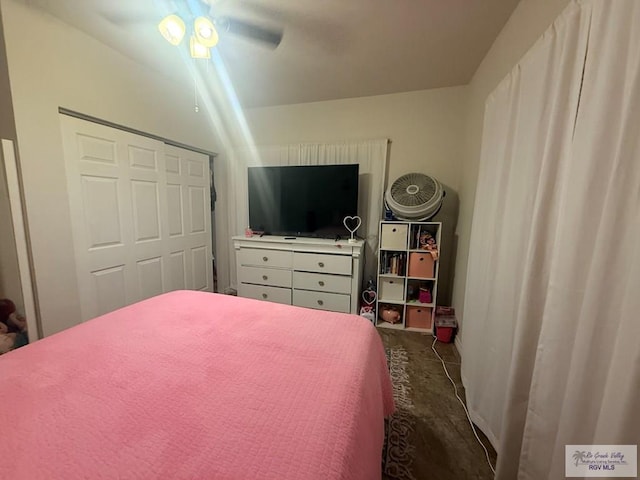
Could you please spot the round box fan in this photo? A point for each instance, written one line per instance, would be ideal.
(414, 196)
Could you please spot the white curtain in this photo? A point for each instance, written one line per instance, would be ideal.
(550, 347)
(370, 155)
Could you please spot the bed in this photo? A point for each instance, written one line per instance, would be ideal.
(200, 386)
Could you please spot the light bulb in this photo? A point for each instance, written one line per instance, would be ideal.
(172, 29)
(197, 49)
(205, 32)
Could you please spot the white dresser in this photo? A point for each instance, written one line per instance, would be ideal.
(307, 272)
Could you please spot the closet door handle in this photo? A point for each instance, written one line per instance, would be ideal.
(320, 302)
(264, 277)
(321, 283)
(265, 296)
(321, 264)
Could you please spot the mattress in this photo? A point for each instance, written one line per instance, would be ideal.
(200, 386)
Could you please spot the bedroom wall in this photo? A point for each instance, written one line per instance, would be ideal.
(425, 127)
(75, 71)
(527, 23)
(9, 273)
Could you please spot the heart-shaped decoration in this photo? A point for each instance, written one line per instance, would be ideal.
(352, 223)
(369, 297)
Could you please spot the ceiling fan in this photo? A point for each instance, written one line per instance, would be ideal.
(202, 25)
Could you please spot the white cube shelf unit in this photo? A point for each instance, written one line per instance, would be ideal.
(408, 275)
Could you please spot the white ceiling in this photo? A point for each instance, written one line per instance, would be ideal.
(331, 49)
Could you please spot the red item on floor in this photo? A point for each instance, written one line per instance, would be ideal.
(444, 334)
(446, 324)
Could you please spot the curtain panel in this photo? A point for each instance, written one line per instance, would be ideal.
(550, 353)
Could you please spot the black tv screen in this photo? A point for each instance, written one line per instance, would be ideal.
(302, 200)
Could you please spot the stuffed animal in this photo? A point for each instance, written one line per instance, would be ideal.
(427, 242)
(390, 314)
(7, 340)
(7, 307)
(10, 317)
(13, 327)
(366, 311)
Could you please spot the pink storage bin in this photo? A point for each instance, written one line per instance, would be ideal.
(421, 265)
(419, 317)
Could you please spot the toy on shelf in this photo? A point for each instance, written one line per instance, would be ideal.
(425, 295)
(427, 242)
(390, 314)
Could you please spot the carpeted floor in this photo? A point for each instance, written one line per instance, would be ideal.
(429, 437)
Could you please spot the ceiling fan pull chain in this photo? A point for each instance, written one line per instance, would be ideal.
(195, 94)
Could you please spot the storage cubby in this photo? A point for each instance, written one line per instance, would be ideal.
(393, 236)
(421, 265)
(408, 274)
(390, 315)
(419, 317)
(391, 289)
(393, 263)
(420, 292)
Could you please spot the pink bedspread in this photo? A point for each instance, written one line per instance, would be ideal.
(200, 386)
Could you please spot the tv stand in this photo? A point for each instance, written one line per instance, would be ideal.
(318, 273)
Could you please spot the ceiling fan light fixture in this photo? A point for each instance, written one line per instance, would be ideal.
(197, 49)
(205, 32)
(172, 28)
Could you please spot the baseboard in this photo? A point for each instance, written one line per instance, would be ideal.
(458, 344)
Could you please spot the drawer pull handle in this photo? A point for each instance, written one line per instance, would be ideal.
(264, 277)
(321, 283)
(264, 295)
(265, 259)
(320, 302)
(321, 264)
(391, 281)
(393, 230)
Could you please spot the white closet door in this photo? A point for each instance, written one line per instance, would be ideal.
(121, 207)
(189, 217)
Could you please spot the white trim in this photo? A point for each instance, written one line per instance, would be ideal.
(458, 342)
(15, 201)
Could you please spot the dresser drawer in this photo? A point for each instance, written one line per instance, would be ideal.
(265, 276)
(313, 262)
(334, 302)
(261, 292)
(264, 257)
(322, 282)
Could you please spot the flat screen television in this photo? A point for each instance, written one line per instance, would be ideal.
(308, 201)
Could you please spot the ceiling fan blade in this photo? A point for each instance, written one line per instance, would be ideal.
(269, 36)
(124, 20)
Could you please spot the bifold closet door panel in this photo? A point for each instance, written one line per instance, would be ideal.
(189, 217)
(120, 202)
